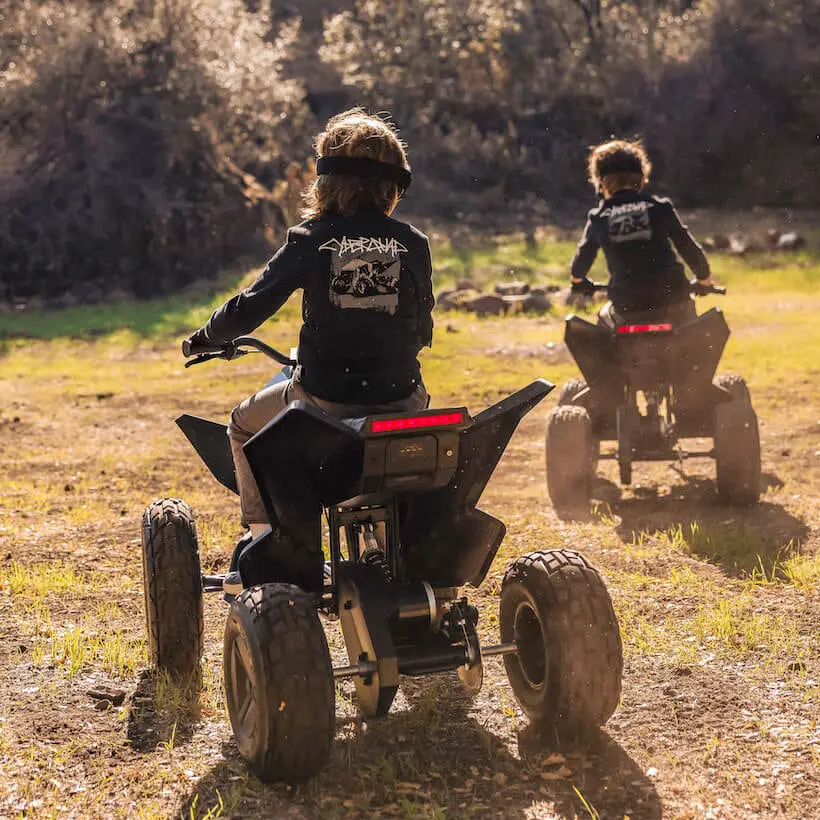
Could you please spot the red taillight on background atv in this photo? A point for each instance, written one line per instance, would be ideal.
(662, 328)
(416, 422)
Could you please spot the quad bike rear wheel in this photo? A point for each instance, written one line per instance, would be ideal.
(567, 671)
(737, 444)
(172, 583)
(569, 390)
(279, 683)
(570, 458)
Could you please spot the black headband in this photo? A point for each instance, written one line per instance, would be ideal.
(620, 162)
(365, 167)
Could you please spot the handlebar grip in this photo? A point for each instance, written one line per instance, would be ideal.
(190, 348)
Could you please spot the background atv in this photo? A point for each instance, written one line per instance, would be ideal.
(399, 493)
(648, 386)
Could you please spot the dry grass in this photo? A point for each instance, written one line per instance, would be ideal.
(718, 607)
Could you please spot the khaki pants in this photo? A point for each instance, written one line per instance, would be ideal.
(255, 412)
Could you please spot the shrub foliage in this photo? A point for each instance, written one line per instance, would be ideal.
(145, 145)
(129, 139)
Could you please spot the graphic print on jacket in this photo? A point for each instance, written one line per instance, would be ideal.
(629, 221)
(365, 272)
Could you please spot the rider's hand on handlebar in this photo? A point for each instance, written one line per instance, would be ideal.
(198, 343)
(191, 345)
(584, 287)
(700, 287)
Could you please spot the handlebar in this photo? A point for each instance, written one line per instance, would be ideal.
(694, 287)
(701, 290)
(232, 350)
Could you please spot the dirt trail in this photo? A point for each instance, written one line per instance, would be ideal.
(718, 719)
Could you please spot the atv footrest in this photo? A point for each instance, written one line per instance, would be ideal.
(212, 583)
(697, 453)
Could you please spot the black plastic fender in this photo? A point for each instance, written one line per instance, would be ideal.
(210, 440)
(447, 541)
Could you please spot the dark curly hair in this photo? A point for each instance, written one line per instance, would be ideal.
(619, 164)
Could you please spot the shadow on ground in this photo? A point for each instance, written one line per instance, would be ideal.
(738, 539)
(437, 759)
(148, 725)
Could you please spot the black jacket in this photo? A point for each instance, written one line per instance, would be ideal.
(366, 305)
(637, 232)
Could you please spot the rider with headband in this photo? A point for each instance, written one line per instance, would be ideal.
(638, 233)
(367, 300)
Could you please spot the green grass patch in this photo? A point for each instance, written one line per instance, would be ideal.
(83, 647)
(753, 554)
(545, 261)
(715, 619)
(36, 582)
(733, 625)
(176, 314)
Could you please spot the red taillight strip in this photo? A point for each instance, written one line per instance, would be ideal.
(414, 422)
(644, 328)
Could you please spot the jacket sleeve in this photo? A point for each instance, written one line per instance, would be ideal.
(247, 310)
(585, 253)
(423, 281)
(687, 246)
(427, 300)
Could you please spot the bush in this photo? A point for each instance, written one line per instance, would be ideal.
(500, 99)
(129, 140)
(147, 145)
(738, 122)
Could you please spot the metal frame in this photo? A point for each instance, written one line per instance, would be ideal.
(341, 518)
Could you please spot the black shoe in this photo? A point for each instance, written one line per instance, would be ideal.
(237, 550)
(232, 586)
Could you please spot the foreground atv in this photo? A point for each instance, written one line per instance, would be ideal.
(399, 493)
(648, 386)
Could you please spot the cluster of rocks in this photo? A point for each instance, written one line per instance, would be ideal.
(739, 243)
(506, 297)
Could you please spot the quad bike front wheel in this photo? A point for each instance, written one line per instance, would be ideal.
(279, 683)
(737, 444)
(570, 458)
(172, 583)
(567, 671)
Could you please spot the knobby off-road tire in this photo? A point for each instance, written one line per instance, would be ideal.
(172, 582)
(567, 672)
(570, 458)
(279, 683)
(569, 390)
(737, 444)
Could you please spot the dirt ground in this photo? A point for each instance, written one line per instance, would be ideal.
(719, 610)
